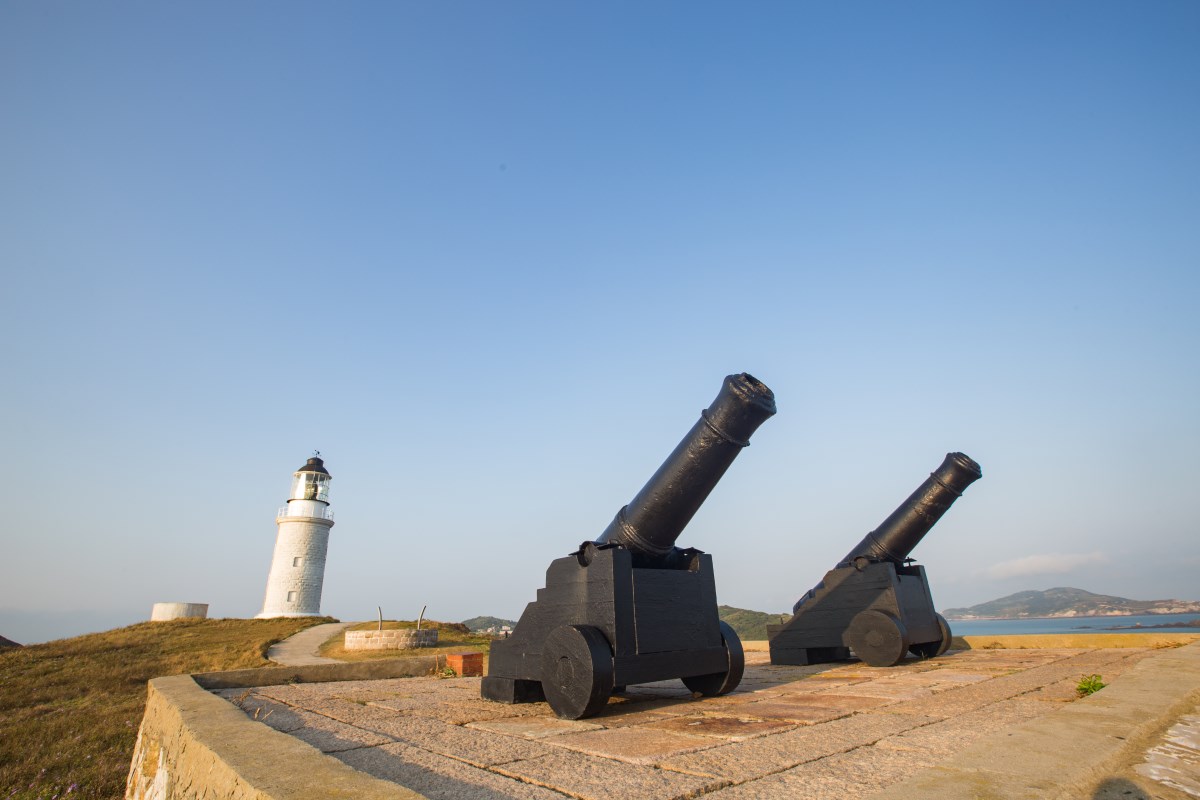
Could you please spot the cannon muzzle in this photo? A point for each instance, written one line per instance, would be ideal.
(653, 520)
(908, 524)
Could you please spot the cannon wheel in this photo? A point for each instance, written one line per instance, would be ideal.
(722, 682)
(877, 638)
(935, 649)
(577, 671)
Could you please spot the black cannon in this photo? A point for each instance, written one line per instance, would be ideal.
(631, 607)
(876, 602)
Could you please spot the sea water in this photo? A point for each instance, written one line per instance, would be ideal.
(1142, 623)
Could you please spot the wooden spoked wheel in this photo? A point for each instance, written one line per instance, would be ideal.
(722, 682)
(577, 671)
(877, 638)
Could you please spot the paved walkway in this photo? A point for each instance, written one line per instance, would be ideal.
(830, 731)
(301, 649)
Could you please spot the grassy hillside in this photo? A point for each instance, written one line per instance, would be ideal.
(1065, 601)
(483, 623)
(749, 625)
(70, 709)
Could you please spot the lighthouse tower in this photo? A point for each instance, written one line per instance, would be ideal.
(298, 568)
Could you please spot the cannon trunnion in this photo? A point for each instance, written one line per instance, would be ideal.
(876, 602)
(631, 607)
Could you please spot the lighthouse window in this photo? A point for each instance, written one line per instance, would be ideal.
(310, 486)
(296, 561)
(291, 597)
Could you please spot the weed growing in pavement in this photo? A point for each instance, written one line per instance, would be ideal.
(1089, 684)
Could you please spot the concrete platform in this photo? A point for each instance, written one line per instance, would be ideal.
(976, 723)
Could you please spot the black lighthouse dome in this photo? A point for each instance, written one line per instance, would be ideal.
(315, 464)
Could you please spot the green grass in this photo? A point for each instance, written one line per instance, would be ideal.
(453, 637)
(70, 709)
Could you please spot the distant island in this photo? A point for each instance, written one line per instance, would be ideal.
(1065, 601)
(1187, 623)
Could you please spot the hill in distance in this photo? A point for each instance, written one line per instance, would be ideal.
(8, 642)
(479, 624)
(1064, 601)
(750, 625)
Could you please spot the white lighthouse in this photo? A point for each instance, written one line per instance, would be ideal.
(298, 568)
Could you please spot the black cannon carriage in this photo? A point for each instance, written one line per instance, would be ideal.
(631, 607)
(876, 602)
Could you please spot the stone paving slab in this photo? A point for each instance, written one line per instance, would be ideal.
(842, 776)
(719, 726)
(438, 776)
(639, 714)
(634, 744)
(331, 736)
(459, 742)
(757, 758)
(793, 712)
(280, 716)
(834, 730)
(943, 738)
(593, 778)
(535, 727)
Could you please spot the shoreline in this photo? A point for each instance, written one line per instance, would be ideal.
(1180, 624)
(979, 619)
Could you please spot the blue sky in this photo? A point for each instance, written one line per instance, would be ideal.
(492, 260)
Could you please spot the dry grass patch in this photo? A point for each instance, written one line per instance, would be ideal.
(70, 709)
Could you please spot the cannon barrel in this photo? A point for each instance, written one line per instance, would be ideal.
(653, 520)
(908, 524)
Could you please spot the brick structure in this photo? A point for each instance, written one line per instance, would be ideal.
(298, 566)
(391, 640)
(467, 665)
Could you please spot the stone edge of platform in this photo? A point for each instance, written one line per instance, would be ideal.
(193, 744)
(382, 669)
